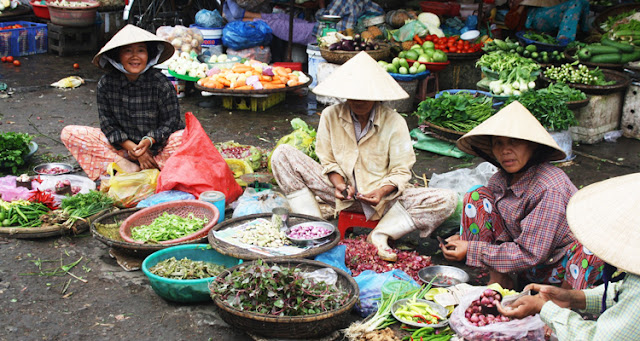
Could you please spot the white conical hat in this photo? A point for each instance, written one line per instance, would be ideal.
(513, 121)
(361, 78)
(603, 217)
(131, 34)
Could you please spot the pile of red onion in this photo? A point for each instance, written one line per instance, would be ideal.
(475, 313)
(308, 232)
(361, 256)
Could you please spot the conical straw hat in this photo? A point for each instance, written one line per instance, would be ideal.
(132, 34)
(513, 121)
(604, 218)
(361, 78)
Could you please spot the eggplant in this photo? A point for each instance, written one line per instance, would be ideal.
(357, 48)
(334, 46)
(357, 37)
(348, 45)
(363, 45)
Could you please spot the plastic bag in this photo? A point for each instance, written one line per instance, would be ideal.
(240, 35)
(370, 284)
(197, 166)
(409, 30)
(252, 202)
(335, 257)
(434, 145)
(303, 138)
(259, 53)
(207, 18)
(128, 189)
(461, 180)
(184, 39)
(530, 328)
(10, 192)
(326, 275)
(165, 196)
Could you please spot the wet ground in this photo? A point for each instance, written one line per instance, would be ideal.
(105, 302)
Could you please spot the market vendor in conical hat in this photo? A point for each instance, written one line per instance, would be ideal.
(365, 156)
(603, 217)
(140, 120)
(516, 225)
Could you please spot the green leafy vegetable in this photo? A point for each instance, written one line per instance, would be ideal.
(461, 111)
(541, 37)
(84, 205)
(186, 269)
(167, 227)
(13, 148)
(549, 109)
(565, 92)
(581, 74)
(499, 61)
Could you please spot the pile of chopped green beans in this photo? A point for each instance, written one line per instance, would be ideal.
(168, 227)
(186, 269)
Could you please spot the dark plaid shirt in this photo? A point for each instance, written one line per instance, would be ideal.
(147, 106)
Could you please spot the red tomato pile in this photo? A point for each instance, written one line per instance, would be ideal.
(11, 27)
(453, 44)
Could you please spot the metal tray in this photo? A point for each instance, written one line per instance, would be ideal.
(42, 168)
(447, 275)
(442, 311)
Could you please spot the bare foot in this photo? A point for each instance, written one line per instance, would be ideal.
(128, 166)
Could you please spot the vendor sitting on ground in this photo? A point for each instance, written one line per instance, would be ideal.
(603, 217)
(559, 17)
(140, 121)
(517, 223)
(366, 157)
(304, 31)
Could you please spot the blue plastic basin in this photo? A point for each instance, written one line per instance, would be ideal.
(185, 290)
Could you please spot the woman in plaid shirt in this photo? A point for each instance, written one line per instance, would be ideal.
(140, 121)
(517, 223)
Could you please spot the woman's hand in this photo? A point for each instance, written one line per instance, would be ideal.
(455, 250)
(373, 198)
(564, 298)
(147, 161)
(141, 149)
(452, 238)
(523, 307)
(341, 188)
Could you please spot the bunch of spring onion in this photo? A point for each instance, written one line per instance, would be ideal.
(383, 317)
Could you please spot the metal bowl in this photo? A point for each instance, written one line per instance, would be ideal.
(43, 168)
(447, 275)
(311, 242)
(442, 311)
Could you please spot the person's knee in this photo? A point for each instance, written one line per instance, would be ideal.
(280, 154)
(67, 133)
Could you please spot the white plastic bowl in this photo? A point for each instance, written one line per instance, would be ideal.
(470, 35)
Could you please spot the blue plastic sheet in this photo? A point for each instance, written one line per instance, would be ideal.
(240, 35)
(165, 196)
(370, 284)
(335, 257)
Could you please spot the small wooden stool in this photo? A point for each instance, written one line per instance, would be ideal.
(349, 220)
(428, 87)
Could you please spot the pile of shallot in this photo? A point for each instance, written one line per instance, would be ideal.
(304, 232)
(361, 256)
(478, 312)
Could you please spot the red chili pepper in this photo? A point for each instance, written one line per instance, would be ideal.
(38, 179)
(422, 319)
(44, 198)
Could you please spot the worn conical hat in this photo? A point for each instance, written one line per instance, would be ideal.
(361, 78)
(604, 218)
(513, 121)
(132, 34)
(541, 3)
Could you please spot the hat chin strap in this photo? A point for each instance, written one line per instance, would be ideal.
(104, 59)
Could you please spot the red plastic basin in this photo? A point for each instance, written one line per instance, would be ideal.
(40, 10)
(74, 16)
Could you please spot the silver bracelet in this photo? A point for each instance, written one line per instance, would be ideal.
(148, 138)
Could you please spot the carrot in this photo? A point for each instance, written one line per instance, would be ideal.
(417, 39)
(244, 87)
(241, 68)
(273, 85)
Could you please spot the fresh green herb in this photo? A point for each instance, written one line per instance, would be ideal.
(13, 148)
(84, 205)
(565, 92)
(186, 269)
(277, 290)
(461, 111)
(612, 20)
(499, 61)
(541, 38)
(549, 109)
(167, 227)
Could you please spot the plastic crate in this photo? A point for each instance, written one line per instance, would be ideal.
(30, 39)
(253, 103)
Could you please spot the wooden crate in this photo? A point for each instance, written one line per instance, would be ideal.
(601, 115)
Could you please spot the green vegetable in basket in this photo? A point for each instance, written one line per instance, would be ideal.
(565, 92)
(461, 111)
(581, 74)
(168, 227)
(13, 148)
(186, 269)
(541, 38)
(550, 110)
(84, 205)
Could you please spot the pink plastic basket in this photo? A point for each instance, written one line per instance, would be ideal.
(180, 208)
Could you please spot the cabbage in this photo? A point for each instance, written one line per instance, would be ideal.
(302, 138)
(429, 19)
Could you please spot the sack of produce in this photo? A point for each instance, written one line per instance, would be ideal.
(256, 53)
(233, 150)
(128, 189)
(184, 39)
(240, 35)
(370, 284)
(470, 320)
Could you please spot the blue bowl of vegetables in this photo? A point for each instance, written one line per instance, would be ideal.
(201, 260)
(541, 46)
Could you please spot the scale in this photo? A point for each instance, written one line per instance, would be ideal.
(329, 23)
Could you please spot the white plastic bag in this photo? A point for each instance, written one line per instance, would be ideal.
(252, 202)
(530, 328)
(462, 180)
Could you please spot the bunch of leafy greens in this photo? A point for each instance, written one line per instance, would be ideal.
(84, 205)
(550, 110)
(13, 148)
(565, 92)
(277, 290)
(461, 111)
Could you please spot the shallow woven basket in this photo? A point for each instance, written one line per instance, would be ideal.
(340, 57)
(132, 249)
(293, 327)
(442, 133)
(180, 208)
(621, 79)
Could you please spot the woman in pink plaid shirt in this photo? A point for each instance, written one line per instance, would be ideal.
(517, 224)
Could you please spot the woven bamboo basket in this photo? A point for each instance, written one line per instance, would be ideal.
(442, 133)
(47, 230)
(621, 79)
(116, 242)
(293, 327)
(340, 57)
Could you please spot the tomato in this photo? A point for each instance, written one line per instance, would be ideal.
(9, 59)
(453, 49)
(76, 66)
(16, 63)
(3, 59)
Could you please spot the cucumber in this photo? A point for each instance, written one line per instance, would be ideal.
(630, 57)
(607, 58)
(601, 49)
(625, 48)
(584, 54)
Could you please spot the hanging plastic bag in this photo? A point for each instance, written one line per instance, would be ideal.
(197, 166)
(530, 328)
(207, 18)
(259, 53)
(252, 202)
(240, 35)
(128, 189)
(165, 196)
(370, 284)
(335, 257)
